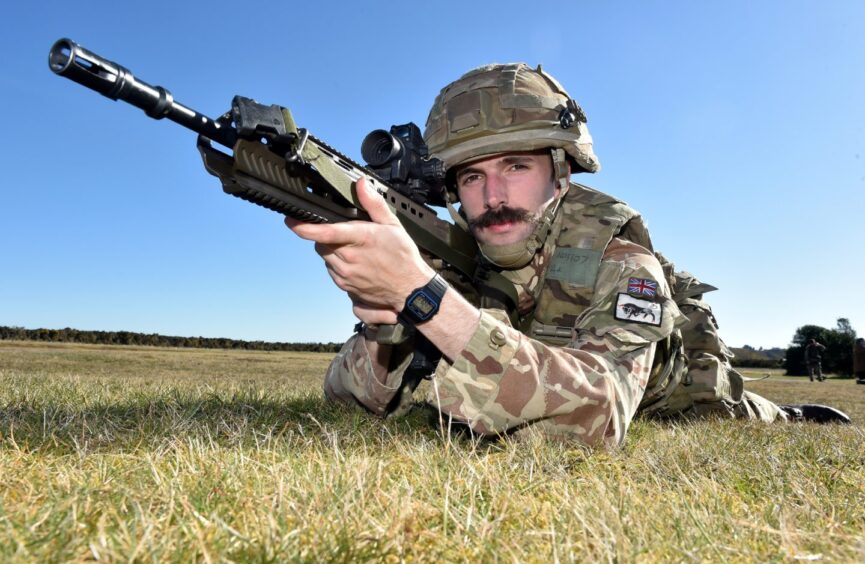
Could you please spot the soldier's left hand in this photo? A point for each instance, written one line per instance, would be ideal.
(375, 262)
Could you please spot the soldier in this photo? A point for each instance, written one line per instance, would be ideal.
(569, 324)
(813, 360)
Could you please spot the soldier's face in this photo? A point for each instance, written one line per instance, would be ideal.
(504, 195)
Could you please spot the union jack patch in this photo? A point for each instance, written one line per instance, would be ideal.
(642, 287)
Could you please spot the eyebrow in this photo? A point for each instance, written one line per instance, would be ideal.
(509, 159)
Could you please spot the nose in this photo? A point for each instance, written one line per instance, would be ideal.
(495, 192)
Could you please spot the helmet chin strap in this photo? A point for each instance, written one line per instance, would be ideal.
(517, 255)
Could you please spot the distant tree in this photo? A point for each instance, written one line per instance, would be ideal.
(838, 356)
(845, 327)
(846, 337)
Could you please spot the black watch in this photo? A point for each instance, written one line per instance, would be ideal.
(423, 302)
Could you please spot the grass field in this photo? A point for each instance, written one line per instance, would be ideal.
(134, 454)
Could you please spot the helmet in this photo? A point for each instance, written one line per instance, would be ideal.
(502, 108)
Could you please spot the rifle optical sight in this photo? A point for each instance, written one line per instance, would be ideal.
(401, 157)
(380, 147)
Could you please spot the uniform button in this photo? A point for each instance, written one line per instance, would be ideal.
(498, 338)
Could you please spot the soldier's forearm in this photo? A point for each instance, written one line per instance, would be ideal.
(503, 380)
(453, 326)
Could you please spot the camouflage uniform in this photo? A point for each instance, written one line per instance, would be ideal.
(596, 331)
(503, 380)
(589, 384)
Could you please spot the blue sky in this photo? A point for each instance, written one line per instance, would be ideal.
(735, 127)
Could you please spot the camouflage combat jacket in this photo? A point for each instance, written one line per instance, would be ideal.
(593, 303)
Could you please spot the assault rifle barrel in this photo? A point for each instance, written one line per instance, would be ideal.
(114, 81)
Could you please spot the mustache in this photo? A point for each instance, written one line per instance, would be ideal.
(501, 215)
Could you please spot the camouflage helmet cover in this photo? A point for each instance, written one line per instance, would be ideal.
(503, 108)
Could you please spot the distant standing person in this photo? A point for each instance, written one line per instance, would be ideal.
(859, 360)
(813, 357)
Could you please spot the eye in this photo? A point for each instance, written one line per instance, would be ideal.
(469, 179)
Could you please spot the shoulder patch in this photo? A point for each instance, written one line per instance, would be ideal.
(635, 310)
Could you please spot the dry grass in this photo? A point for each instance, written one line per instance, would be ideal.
(171, 454)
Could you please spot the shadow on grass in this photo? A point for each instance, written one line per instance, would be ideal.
(232, 421)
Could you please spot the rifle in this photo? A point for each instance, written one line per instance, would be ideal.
(281, 167)
(277, 165)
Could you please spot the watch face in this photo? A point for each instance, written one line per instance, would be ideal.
(422, 305)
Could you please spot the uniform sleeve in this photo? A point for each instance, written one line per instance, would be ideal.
(350, 377)
(589, 389)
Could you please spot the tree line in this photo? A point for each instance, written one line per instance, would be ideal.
(68, 335)
(837, 358)
(749, 357)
